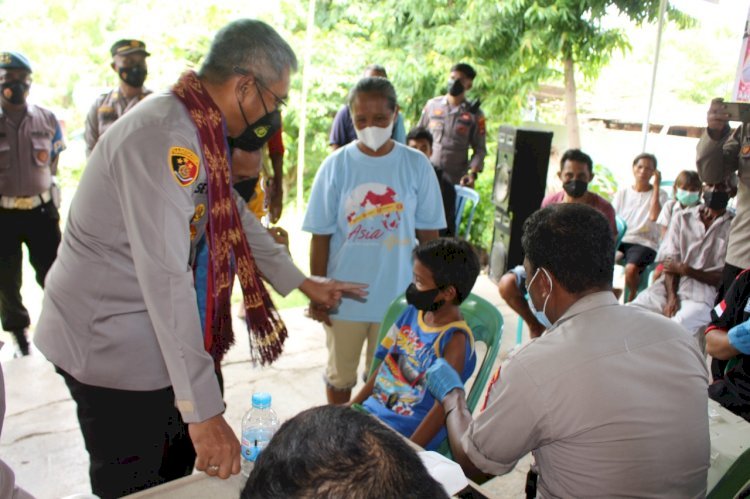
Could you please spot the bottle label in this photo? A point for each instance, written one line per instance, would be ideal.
(253, 443)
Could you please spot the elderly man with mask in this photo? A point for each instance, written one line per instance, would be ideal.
(129, 62)
(119, 319)
(611, 400)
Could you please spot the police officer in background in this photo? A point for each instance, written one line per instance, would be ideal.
(30, 142)
(129, 62)
(456, 124)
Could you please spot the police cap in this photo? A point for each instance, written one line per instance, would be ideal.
(14, 60)
(125, 47)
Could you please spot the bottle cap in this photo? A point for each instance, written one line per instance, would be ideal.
(261, 400)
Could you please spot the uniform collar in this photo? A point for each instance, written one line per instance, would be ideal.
(462, 105)
(588, 302)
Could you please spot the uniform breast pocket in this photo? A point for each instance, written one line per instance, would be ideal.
(463, 127)
(436, 129)
(42, 147)
(4, 153)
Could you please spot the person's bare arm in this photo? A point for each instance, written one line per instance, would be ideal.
(455, 354)
(718, 346)
(424, 236)
(712, 278)
(320, 246)
(366, 390)
(655, 210)
(671, 283)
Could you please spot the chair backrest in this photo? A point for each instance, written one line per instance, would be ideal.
(486, 324)
(622, 227)
(735, 480)
(464, 194)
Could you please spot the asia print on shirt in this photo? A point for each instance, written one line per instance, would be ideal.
(373, 213)
(400, 383)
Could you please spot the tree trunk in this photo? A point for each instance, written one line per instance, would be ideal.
(571, 112)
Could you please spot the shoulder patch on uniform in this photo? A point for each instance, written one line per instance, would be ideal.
(184, 164)
(745, 151)
(482, 125)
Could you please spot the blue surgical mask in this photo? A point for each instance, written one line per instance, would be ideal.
(688, 198)
(540, 316)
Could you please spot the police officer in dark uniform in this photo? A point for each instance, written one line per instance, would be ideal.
(456, 124)
(30, 142)
(129, 62)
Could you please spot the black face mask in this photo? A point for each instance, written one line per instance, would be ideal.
(455, 87)
(256, 134)
(716, 200)
(246, 188)
(575, 188)
(15, 91)
(423, 300)
(133, 76)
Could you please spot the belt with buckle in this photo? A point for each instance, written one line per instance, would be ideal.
(25, 202)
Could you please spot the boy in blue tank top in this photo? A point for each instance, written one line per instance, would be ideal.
(431, 327)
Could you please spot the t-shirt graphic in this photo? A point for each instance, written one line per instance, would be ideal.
(372, 211)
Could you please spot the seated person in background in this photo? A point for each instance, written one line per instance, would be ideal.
(576, 173)
(421, 139)
(686, 192)
(693, 255)
(430, 328)
(332, 452)
(728, 343)
(639, 205)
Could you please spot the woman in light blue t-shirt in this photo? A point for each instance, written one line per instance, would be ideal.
(370, 203)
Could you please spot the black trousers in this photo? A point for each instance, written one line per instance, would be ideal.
(135, 440)
(39, 230)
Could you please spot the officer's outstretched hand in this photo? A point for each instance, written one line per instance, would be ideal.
(739, 337)
(216, 446)
(442, 379)
(328, 292)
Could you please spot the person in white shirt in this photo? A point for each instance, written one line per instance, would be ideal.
(639, 205)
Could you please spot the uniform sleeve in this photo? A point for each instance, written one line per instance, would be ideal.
(272, 259)
(478, 142)
(511, 425)
(338, 133)
(91, 135)
(322, 208)
(430, 213)
(156, 213)
(715, 158)
(399, 132)
(670, 247)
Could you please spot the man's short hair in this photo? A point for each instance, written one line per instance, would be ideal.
(335, 451)
(250, 45)
(578, 156)
(377, 68)
(645, 155)
(572, 241)
(453, 262)
(374, 85)
(419, 133)
(464, 68)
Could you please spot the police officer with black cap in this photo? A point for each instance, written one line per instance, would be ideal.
(129, 62)
(30, 143)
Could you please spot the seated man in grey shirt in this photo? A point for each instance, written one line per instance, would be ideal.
(611, 400)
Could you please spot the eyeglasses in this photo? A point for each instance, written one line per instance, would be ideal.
(280, 103)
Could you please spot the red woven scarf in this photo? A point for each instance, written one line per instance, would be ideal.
(227, 246)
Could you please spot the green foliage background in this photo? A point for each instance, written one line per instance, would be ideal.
(514, 44)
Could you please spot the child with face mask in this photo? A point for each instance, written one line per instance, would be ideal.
(686, 192)
(430, 328)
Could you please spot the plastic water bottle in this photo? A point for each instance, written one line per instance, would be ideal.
(258, 426)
